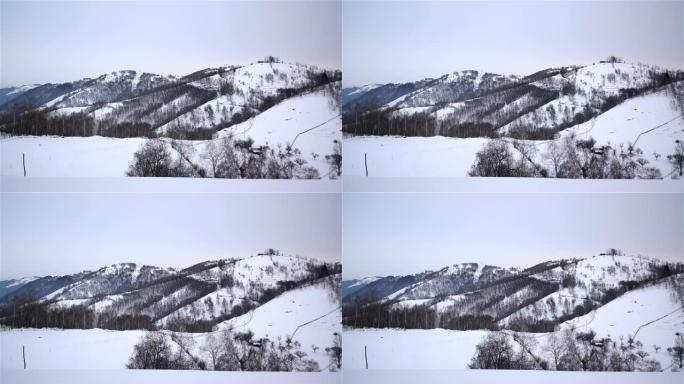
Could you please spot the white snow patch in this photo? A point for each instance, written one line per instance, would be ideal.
(393, 156)
(409, 349)
(67, 349)
(51, 156)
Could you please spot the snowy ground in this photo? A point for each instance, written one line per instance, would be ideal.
(441, 156)
(409, 349)
(357, 376)
(391, 156)
(49, 156)
(67, 349)
(12, 376)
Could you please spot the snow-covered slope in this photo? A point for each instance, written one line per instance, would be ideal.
(592, 85)
(350, 94)
(536, 298)
(300, 102)
(110, 87)
(8, 94)
(591, 279)
(195, 298)
(452, 88)
(239, 284)
(612, 102)
(351, 286)
(110, 279)
(204, 99)
(652, 122)
(309, 122)
(545, 99)
(256, 81)
(652, 315)
(310, 315)
(9, 286)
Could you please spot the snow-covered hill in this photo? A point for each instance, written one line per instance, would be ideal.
(615, 103)
(536, 298)
(275, 104)
(309, 315)
(194, 298)
(546, 99)
(9, 286)
(309, 122)
(652, 122)
(652, 315)
(203, 99)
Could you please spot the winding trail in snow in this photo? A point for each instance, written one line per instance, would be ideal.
(658, 319)
(314, 320)
(656, 127)
(314, 127)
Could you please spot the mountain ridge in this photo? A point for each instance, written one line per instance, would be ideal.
(480, 104)
(159, 105)
(531, 299)
(194, 299)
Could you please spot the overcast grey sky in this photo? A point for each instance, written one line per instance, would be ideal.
(54, 234)
(404, 233)
(400, 41)
(65, 41)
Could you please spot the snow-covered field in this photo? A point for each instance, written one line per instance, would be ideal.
(389, 156)
(392, 156)
(358, 376)
(49, 156)
(409, 349)
(67, 349)
(18, 376)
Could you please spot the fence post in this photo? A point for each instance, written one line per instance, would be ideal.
(365, 353)
(23, 161)
(365, 162)
(23, 353)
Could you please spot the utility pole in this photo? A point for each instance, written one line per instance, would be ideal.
(23, 162)
(23, 353)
